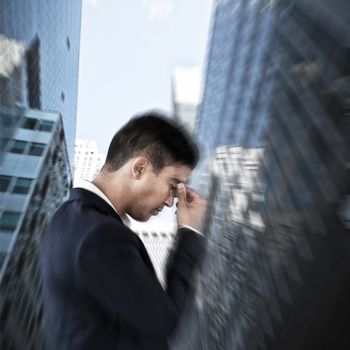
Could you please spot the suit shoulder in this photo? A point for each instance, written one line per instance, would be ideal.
(110, 228)
(78, 221)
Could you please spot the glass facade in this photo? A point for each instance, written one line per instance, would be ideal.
(33, 183)
(39, 43)
(39, 57)
(274, 133)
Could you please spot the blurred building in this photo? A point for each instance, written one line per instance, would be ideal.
(186, 86)
(34, 177)
(39, 43)
(87, 160)
(158, 239)
(39, 56)
(274, 132)
(12, 85)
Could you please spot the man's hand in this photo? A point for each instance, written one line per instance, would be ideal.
(191, 207)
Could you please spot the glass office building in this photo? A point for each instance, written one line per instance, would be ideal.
(186, 88)
(34, 179)
(39, 57)
(274, 130)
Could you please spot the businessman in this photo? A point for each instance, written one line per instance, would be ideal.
(99, 286)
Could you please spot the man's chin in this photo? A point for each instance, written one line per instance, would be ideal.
(144, 219)
(141, 218)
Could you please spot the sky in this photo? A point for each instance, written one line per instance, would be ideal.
(128, 51)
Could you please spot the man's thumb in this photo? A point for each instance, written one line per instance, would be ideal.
(181, 193)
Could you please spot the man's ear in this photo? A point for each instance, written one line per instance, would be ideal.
(138, 167)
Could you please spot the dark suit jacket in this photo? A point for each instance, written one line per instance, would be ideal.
(100, 288)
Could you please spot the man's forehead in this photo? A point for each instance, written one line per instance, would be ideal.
(178, 173)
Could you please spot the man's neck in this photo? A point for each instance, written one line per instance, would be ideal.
(112, 189)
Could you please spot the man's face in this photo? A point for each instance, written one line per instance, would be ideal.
(154, 191)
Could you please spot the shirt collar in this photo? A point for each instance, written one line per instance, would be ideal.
(87, 185)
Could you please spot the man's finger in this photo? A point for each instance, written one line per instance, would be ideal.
(181, 193)
(192, 195)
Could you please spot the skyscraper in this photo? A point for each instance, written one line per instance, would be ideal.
(39, 56)
(45, 37)
(274, 135)
(186, 86)
(35, 177)
(87, 160)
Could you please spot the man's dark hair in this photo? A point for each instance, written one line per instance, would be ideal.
(155, 136)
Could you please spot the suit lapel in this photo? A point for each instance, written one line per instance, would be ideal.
(102, 205)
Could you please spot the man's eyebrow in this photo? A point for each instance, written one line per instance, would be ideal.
(177, 180)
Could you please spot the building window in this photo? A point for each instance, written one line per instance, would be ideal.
(9, 220)
(22, 185)
(36, 149)
(46, 125)
(4, 183)
(18, 146)
(29, 123)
